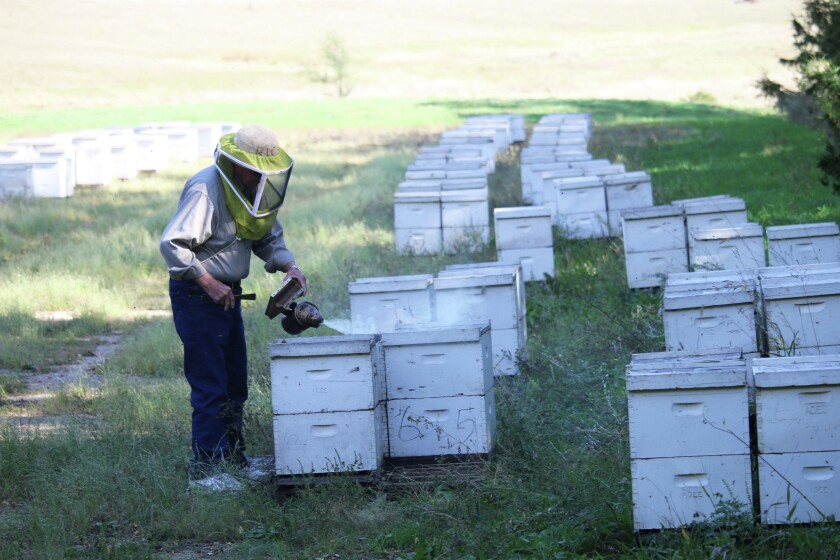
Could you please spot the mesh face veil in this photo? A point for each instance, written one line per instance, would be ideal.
(254, 148)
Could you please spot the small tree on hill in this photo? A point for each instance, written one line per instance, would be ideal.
(334, 69)
(817, 101)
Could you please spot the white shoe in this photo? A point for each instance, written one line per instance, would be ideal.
(217, 483)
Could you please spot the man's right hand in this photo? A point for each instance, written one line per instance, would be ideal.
(220, 293)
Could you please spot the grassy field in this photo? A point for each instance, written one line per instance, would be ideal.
(105, 479)
(96, 471)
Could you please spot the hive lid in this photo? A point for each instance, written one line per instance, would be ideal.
(702, 377)
(700, 356)
(472, 279)
(802, 230)
(413, 197)
(463, 184)
(578, 183)
(704, 298)
(650, 212)
(734, 279)
(434, 333)
(562, 173)
(463, 195)
(323, 345)
(629, 178)
(518, 212)
(712, 205)
(774, 289)
(390, 284)
(796, 371)
(729, 232)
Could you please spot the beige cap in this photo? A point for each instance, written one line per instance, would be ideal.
(258, 140)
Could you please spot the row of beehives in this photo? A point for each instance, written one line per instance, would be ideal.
(712, 233)
(691, 450)
(466, 293)
(777, 311)
(54, 165)
(345, 403)
(585, 196)
(443, 202)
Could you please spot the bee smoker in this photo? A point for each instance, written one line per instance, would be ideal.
(297, 316)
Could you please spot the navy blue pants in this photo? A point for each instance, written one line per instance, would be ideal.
(216, 367)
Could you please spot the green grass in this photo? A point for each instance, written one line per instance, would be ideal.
(559, 484)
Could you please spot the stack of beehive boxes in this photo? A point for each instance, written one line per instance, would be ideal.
(53, 166)
(440, 398)
(347, 403)
(443, 202)
(689, 429)
(660, 240)
(798, 445)
(328, 398)
(524, 236)
(655, 244)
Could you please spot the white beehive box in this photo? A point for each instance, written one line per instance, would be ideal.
(443, 361)
(580, 207)
(492, 268)
(532, 175)
(418, 241)
(93, 158)
(655, 228)
(152, 152)
(51, 177)
(446, 174)
(380, 304)
(15, 179)
(738, 247)
(796, 403)
(713, 211)
(522, 227)
(417, 210)
(326, 374)
(677, 491)
(448, 165)
(803, 244)
(685, 408)
(330, 442)
(474, 297)
(801, 306)
(183, 142)
(625, 191)
(485, 144)
(207, 137)
(536, 262)
(714, 314)
(799, 487)
(441, 426)
(542, 183)
(464, 208)
(650, 269)
(124, 156)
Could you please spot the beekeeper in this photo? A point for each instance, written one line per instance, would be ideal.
(225, 212)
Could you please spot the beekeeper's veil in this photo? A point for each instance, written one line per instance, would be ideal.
(256, 148)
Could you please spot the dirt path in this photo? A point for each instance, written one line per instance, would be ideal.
(24, 408)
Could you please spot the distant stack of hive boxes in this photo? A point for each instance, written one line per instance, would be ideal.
(346, 403)
(442, 205)
(688, 417)
(470, 293)
(798, 427)
(660, 240)
(53, 166)
(585, 195)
